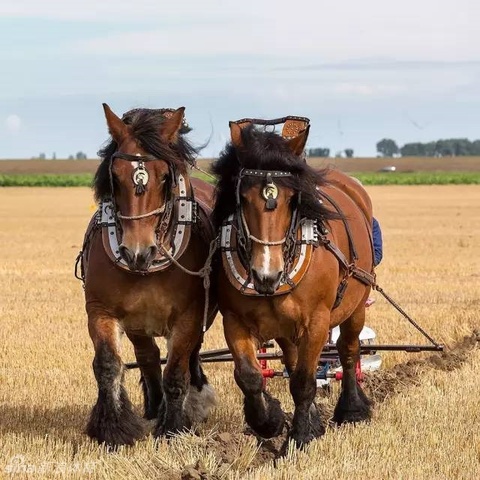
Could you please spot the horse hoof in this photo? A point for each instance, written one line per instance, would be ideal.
(362, 413)
(124, 429)
(199, 403)
(273, 422)
(352, 408)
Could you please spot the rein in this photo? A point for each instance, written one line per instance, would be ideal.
(203, 273)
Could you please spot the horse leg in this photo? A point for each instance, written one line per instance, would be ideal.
(263, 412)
(353, 405)
(307, 423)
(112, 419)
(290, 354)
(201, 396)
(176, 376)
(147, 354)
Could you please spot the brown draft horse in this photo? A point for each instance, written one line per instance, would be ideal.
(148, 206)
(285, 272)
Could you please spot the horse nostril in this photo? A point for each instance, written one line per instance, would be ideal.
(126, 254)
(152, 252)
(256, 277)
(140, 260)
(145, 257)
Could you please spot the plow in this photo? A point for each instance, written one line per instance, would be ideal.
(329, 368)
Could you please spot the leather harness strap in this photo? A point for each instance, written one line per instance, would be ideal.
(356, 272)
(350, 268)
(351, 245)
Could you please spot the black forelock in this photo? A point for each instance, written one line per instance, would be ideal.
(267, 151)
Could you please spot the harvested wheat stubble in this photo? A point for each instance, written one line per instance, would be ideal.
(424, 427)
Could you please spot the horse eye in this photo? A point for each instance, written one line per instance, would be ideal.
(163, 178)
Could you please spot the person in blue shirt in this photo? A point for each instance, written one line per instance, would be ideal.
(377, 242)
(377, 237)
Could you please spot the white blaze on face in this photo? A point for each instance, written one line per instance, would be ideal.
(267, 258)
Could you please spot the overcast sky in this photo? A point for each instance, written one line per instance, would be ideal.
(361, 70)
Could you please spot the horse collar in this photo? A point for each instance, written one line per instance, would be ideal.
(302, 239)
(178, 216)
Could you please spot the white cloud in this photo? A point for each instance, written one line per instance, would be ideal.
(124, 10)
(318, 30)
(367, 90)
(13, 123)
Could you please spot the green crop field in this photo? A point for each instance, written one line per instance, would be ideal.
(374, 178)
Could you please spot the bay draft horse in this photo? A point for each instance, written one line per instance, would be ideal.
(287, 232)
(149, 212)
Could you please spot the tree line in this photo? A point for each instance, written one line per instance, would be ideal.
(78, 156)
(325, 152)
(387, 147)
(449, 147)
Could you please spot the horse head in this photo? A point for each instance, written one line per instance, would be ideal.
(268, 171)
(140, 167)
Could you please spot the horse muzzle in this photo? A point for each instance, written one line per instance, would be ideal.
(140, 259)
(266, 284)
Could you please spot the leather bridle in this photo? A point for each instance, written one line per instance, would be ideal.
(140, 180)
(269, 194)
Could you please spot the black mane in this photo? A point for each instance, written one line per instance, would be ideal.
(144, 125)
(267, 151)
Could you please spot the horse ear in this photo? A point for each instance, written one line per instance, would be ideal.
(171, 125)
(118, 130)
(236, 134)
(236, 131)
(297, 144)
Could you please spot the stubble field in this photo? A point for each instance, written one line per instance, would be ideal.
(426, 422)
